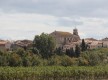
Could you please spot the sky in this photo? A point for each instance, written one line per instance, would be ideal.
(23, 19)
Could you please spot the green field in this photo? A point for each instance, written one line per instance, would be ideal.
(54, 73)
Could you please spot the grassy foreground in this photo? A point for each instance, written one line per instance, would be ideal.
(54, 73)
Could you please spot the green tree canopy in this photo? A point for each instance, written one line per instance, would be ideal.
(45, 44)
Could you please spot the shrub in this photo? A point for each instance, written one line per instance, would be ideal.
(68, 61)
(95, 57)
(54, 60)
(82, 62)
(36, 60)
(15, 60)
(20, 51)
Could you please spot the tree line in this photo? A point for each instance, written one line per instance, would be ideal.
(45, 45)
(43, 52)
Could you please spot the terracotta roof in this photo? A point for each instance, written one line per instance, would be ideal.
(23, 42)
(91, 39)
(3, 42)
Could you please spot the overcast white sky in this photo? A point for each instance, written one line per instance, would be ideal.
(23, 19)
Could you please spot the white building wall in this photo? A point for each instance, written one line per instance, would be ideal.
(8, 45)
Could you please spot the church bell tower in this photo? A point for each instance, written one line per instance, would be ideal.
(75, 31)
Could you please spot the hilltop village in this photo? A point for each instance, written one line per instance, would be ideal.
(65, 40)
(68, 40)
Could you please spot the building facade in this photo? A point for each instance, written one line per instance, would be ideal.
(66, 40)
(5, 45)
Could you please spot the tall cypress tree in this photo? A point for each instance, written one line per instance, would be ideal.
(59, 51)
(77, 51)
(83, 45)
(72, 53)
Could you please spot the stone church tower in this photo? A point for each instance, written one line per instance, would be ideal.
(75, 31)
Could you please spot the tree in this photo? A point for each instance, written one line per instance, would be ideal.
(59, 51)
(77, 51)
(35, 50)
(67, 52)
(20, 52)
(64, 41)
(70, 52)
(15, 60)
(26, 61)
(83, 45)
(45, 45)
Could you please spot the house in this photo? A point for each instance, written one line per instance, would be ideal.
(95, 44)
(105, 42)
(21, 44)
(5, 45)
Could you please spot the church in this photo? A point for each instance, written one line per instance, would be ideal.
(66, 40)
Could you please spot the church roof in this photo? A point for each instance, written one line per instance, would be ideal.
(61, 33)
